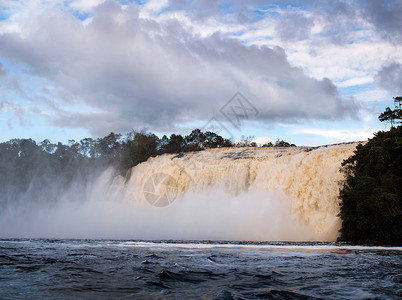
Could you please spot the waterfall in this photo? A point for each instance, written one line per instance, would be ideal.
(275, 193)
(253, 194)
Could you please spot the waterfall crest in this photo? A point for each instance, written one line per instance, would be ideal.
(303, 181)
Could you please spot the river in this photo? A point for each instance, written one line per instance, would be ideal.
(115, 269)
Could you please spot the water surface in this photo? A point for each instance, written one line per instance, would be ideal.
(102, 269)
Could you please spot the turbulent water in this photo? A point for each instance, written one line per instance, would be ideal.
(249, 194)
(258, 194)
(88, 269)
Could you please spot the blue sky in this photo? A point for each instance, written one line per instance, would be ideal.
(315, 72)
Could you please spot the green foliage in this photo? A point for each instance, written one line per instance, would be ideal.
(393, 116)
(267, 145)
(196, 137)
(108, 147)
(212, 140)
(371, 197)
(139, 147)
(41, 171)
(174, 144)
(281, 143)
(247, 142)
(28, 168)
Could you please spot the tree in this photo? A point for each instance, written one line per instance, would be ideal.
(397, 101)
(142, 146)
(47, 146)
(195, 140)
(388, 115)
(175, 144)
(196, 136)
(282, 143)
(371, 195)
(245, 141)
(87, 147)
(108, 147)
(392, 115)
(269, 144)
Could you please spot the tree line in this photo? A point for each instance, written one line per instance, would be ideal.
(371, 196)
(393, 116)
(122, 152)
(27, 168)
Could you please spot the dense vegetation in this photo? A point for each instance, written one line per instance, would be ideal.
(371, 197)
(41, 171)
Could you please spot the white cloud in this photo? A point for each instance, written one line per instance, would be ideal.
(139, 72)
(356, 81)
(84, 6)
(166, 63)
(344, 47)
(154, 6)
(342, 135)
(373, 95)
(262, 140)
(390, 77)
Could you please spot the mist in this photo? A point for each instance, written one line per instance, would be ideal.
(102, 212)
(269, 195)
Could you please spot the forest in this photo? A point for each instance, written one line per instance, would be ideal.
(371, 196)
(30, 170)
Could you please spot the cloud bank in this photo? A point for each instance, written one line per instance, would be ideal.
(118, 70)
(390, 77)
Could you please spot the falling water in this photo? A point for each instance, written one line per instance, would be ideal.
(259, 194)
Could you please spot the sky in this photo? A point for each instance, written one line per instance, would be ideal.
(308, 72)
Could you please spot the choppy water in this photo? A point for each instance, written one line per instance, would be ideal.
(69, 269)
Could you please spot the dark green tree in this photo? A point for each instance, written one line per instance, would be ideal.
(393, 116)
(196, 136)
(371, 196)
(397, 101)
(212, 140)
(388, 115)
(175, 144)
(282, 143)
(88, 147)
(269, 144)
(195, 140)
(142, 146)
(108, 147)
